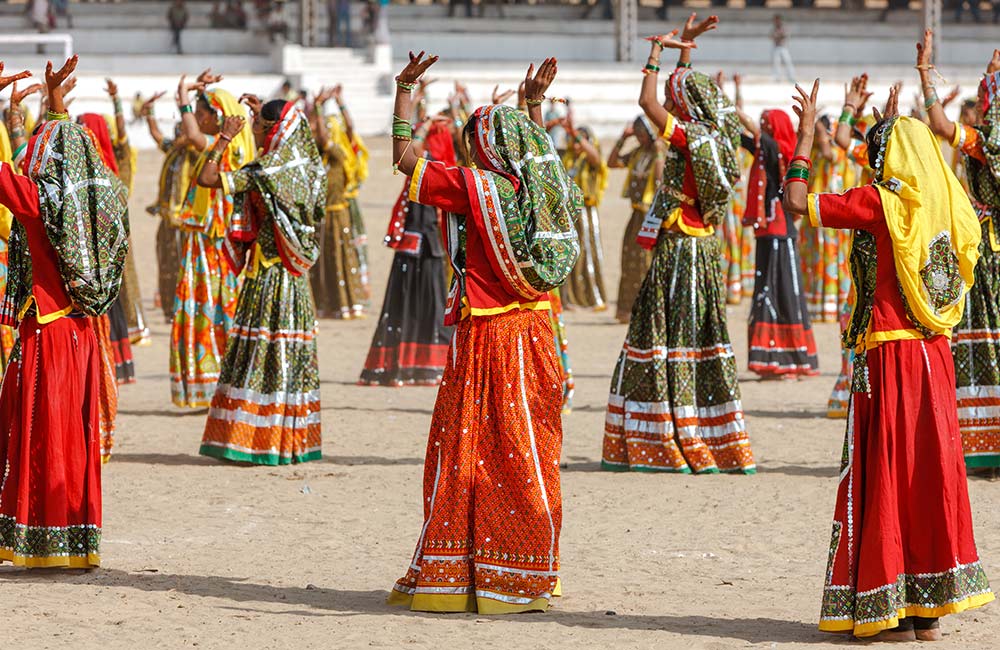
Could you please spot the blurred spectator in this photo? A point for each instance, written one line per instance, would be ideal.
(231, 16)
(973, 9)
(606, 11)
(177, 16)
(61, 8)
(339, 32)
(781, 58)
(554, 120)
(287, 92)
(41, 15)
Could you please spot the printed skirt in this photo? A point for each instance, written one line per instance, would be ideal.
(168, 262)
(825, 270)
(359, 239)
(562, 348)
(635, 265)
(410, 344)
(131, 300)
(336, 276)
(107, 395)
(781, 335)
(737, 257)
(675, 401)
(50, 494)
(975, 345)
(900, 547)
(585, 285)
(492, 500)
(121, 345)
(266, 408)
(204, 304)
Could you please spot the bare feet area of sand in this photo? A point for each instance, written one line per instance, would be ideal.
(200, 553)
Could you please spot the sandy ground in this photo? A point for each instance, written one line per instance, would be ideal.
(201, 553)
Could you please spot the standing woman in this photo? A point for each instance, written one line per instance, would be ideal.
(205, 299)
(410, 343)
(903, 552)
(674, 404)
(585, 286)
(336, 277)
(645, 168)
(266, 408)
(976, 340)
(356, 167)
(492, 501)
(781, 337)
(67, 251)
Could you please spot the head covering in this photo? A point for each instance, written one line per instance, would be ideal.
(523, 202)
(984, 177)
(935, 232)
(98, 128)
(84, 209)
(356, 158)
(778, 145)
(288, 185)
(711, 128)
(591, 180)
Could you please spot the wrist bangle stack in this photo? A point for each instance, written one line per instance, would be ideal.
(17, 132)
(682, 64)
(797, 174)
(401, 129)
(651, 68)
(118, 104)
(802, 159)
(213, 156)
(404, 87)
(534, 102)
(185, 108)
(53, 116)
(931, 97)
(848, 116)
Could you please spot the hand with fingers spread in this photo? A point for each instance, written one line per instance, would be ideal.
(8, 80)
(17, 96)
(184, 88)
(951, 96)
(147, 106)
(796, 184)
(59, 83)
(415, 69)
(693, 29)
(111, 88)
(925, 51)
(891, 105)
(994, 64)
(501, 97)
(231, 127)
(253, 102)
(670, 41)
(536, 83)
(206, 77)
(805, 109)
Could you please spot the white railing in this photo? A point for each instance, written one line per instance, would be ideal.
(41, 39)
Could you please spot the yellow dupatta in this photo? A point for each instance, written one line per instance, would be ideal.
(935, 232)
(7, 156)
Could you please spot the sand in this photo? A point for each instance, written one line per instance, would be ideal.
(198, 553)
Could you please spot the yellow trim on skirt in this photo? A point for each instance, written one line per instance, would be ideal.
(871, 629)
(52, 562)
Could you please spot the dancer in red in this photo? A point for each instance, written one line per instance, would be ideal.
(65, 264)
(903, 551)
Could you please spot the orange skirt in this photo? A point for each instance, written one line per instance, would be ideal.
(107, 389)
(492, 501)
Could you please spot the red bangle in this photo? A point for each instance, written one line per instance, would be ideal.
(804, 181)
(805, 159)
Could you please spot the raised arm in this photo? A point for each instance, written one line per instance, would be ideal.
(535, 85)
(405, 159)
(657, 112)
(823, 142)
(615, 159)
(692, 30)
(147, 111)
(59, 83)
(209, 176)
(796, 184)
(855, 98)
(112, 90)
(751, 125)
(338, 94)
(15, 115)
(189, 124)
(588, 148)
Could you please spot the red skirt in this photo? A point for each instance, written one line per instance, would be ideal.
(492, 501)
(902, 533)
(50, 499)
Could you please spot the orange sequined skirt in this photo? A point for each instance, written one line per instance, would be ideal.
(492, 501)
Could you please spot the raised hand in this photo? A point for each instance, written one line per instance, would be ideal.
(693, 30)
(416, 68)
(337, 93)
(805, 108)
(17, 96)
(501, 97)
(253, 102)
(671, 42)
(994, 64)
(207, 77)
(184, 88)
(232, 125)
(59, 83)
(147, 106)
(536, 83)
(8, 80)
(925, 50)
(856, 95)
(111, 88)
(951, 96)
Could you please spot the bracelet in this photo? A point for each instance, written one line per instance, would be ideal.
(931, 99)
(395, 165)
(404, 87)
(118, 104)
(53, 116)
(17, 132)
(659, 43)
(20, 150)
(223, 136)
(186, 108)
(652, 67)
(213, 156)
(343, 109)
(682, 64)
(401, 129)
(797, 172)
(804, 159)
(534, 102)
(788, 181)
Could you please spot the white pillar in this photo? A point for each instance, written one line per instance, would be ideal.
(626, 29)
(932, 20)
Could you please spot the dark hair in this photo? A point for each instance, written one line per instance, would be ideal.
(969, 104)
(272, 110)
(825, 120)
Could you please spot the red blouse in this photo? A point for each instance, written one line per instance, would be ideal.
(690, 220)
(443, 187)
(20, 194)
(861, 209)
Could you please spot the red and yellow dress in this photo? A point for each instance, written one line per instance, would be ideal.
(902, 541)
(50, 492)
(492, 500)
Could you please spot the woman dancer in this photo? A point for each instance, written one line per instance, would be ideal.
(266, 408)
(675, 401)
(585, 286)
(205, 299)
(175, 177)
(410, 344)
(496, 431)
(903, 551)
(645, 168)
(65, 263)
(781, 337)
(336, 277)
(975, 343)
(356, 168)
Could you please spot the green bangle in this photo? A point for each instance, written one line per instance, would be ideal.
(118, 105)
(213, 156)
(401, 129)
(847, 116)
(52, 116)
(186, 108)
(405, 87)
(797, 172)
(652, 68)
(681, 64)
(20, 149)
